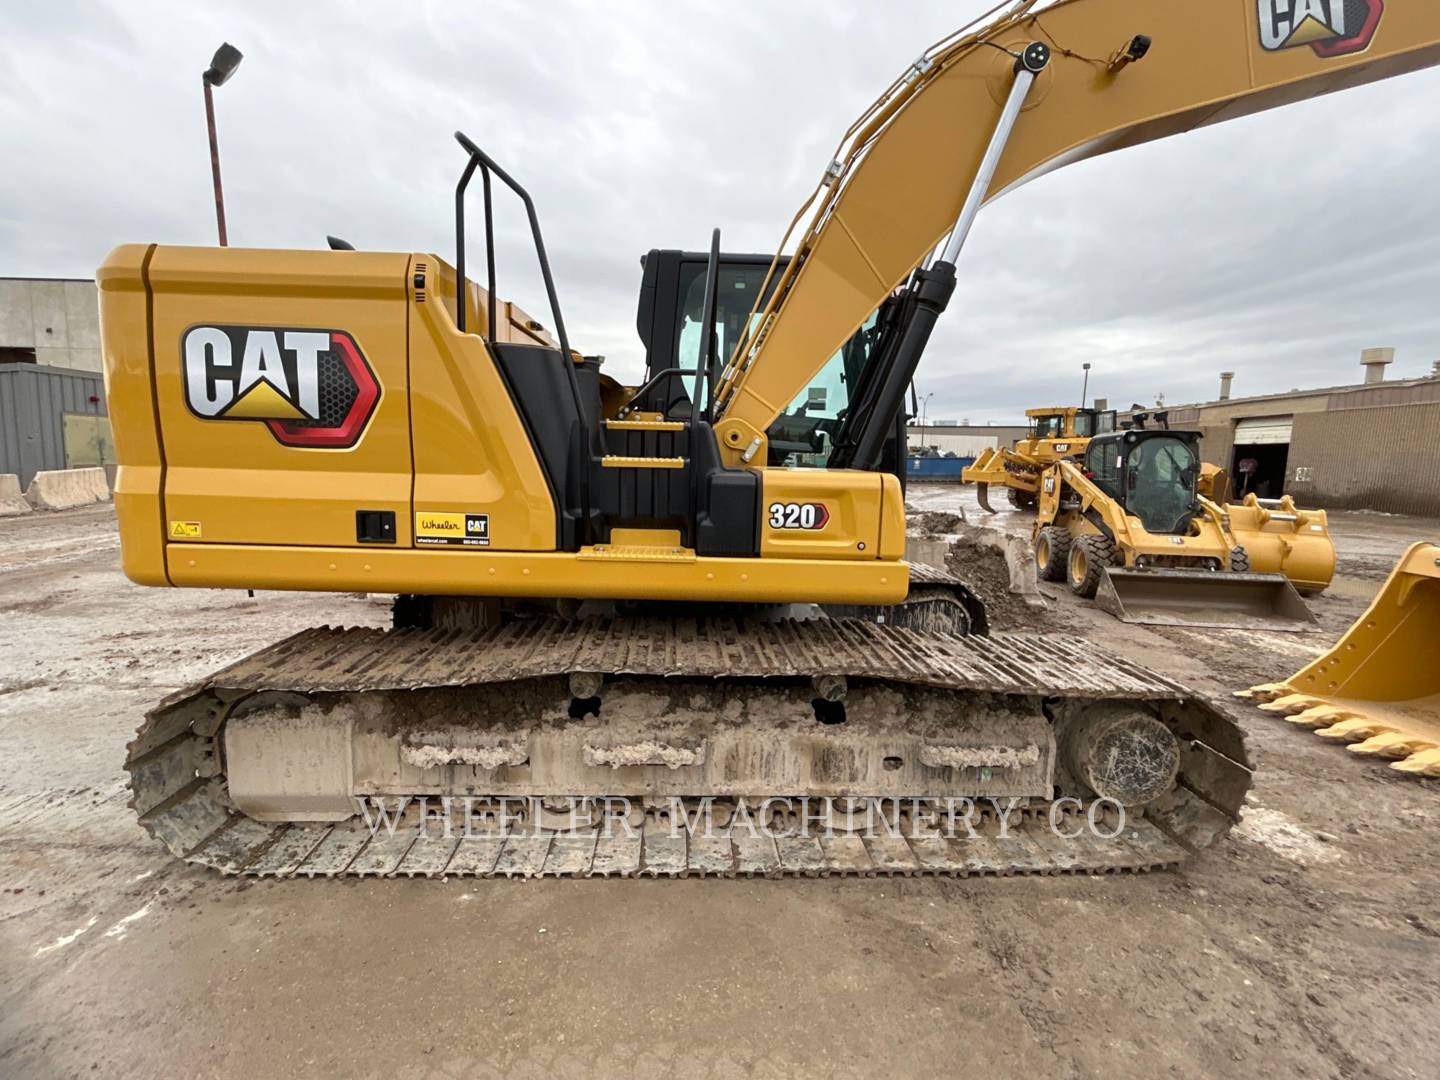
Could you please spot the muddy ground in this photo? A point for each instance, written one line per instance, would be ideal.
(1305, 945)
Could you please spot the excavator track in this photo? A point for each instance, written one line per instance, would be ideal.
(181, 794)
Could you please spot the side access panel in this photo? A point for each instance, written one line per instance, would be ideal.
(474, 461)
(820, 514)
(281, 388)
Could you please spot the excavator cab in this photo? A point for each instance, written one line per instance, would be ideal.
(669, 316)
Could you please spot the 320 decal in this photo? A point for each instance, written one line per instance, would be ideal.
(790, 515)
(311, 388)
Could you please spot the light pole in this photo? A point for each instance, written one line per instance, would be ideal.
(1085, 389)
(924, 406)
(222, 65)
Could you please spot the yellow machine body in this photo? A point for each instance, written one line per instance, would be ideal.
(223, 501)
(1205, 543)
(1056, 434)
(1378, 689)
(1192, 577)
(1281, 538)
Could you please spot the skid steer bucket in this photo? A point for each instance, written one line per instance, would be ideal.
(1204, 599)
(1378, 689)
(1283, 539)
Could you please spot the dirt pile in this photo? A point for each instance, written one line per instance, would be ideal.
(932, 523)
(978, 557)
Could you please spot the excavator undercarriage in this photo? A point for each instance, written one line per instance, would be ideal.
(700, 747)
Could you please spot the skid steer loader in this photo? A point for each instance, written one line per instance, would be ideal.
(1055, 434)
(1128, 529)
(622, 609)
(1378, 689)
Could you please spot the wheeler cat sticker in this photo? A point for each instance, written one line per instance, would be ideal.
(312, 388)
(463, 530)
(1329, 27)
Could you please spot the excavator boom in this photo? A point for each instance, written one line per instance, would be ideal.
(1120, 73)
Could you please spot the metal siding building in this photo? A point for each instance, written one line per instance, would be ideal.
(1386, 457)
(964, 440)
(1369, 446)
(34, 401)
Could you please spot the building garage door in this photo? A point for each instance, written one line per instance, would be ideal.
(1264, 431)
(1260, 456)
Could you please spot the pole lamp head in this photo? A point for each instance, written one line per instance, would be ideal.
(223, 64)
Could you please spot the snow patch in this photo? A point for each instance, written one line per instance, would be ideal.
(1284, 836)
(121, 928)
(61, 942)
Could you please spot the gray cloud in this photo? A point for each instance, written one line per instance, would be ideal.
(1277, 245)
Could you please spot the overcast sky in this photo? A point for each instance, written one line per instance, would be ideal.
(1278, 246)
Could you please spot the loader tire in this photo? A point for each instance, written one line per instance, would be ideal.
(1239, 560)
(1052, 553)
(1021, 500)
(1090, 557)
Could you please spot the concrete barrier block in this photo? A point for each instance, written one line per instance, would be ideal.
(62, 489)
(11, 501)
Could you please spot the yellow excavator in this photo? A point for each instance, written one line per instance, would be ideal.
(1056, 434)
(623, 606)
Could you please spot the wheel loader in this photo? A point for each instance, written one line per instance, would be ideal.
(1128, 528)
(624, 609)
(1055, 434)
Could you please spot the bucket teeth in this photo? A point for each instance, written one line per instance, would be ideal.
(1391, 744)
(1425, 763)
(1264, 692)
(1291, 703)
(1321, 716)
(1353, 730)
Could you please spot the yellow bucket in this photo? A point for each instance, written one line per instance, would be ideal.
(1378, 689)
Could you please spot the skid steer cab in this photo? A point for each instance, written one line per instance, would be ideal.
(1126, 525)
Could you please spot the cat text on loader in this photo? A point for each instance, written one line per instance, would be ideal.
(1055, 435)
(1378, 689)
(1128, 528)
(361, 421)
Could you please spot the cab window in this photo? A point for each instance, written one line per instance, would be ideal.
(1102, 462)
(734, 297)
(803, 434)
(1050, 427)
(1160, 479)
(1084, 425)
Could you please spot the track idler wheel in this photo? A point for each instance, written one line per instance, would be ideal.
(1122, 753)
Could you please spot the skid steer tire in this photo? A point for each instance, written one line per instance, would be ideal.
(1021, 500)
(1052, 553)
(1239, 560)
(1090, 557)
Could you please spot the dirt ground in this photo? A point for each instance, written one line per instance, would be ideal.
(1305, 945)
